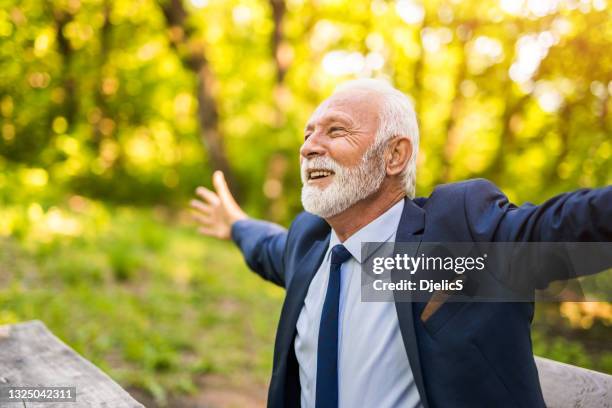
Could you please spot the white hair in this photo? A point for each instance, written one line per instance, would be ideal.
(396, 118)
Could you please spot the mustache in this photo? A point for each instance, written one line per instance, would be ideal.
(318, 163)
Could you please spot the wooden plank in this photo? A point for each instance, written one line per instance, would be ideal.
(31, 355)
(567, 386)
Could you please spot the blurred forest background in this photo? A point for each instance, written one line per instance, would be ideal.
(113, 111)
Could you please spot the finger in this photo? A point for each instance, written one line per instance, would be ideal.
(221, 187)
(202, 219)
(198, 205)
(207, 195)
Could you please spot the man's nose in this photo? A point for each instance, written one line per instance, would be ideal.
(312, 147)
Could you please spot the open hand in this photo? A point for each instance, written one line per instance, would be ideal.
(217, 211)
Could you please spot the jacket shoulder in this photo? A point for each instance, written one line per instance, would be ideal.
(460, 187)
(305, 231)
(478, 191)
(309, 226)
(466, 210)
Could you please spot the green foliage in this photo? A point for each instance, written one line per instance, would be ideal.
(555, 337)
(101, 97)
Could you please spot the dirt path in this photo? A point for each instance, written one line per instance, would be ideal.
(215, 392)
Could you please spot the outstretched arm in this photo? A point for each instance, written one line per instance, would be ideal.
(262, 243)
(580, 216)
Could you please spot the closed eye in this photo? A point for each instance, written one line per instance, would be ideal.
(337, 131)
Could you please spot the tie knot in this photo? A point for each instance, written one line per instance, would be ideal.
(340, 255)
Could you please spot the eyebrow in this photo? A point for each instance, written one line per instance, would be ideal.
(328, 119)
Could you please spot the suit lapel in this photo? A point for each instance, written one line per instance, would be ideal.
(410, 229)
(296, 293)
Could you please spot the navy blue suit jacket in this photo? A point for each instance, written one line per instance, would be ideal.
(465, 354)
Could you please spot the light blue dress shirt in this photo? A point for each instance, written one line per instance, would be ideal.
(373, 367)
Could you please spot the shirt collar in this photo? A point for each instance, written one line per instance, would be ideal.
(379, 230)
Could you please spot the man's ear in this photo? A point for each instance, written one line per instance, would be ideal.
(399, 153)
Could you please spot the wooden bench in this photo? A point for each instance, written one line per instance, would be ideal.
(566, 386)
(31, 355)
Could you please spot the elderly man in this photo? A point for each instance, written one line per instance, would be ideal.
(358, 167)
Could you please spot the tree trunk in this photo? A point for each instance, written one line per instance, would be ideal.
(61, 19)
(191, 52)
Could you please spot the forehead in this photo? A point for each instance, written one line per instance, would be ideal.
(352, 106)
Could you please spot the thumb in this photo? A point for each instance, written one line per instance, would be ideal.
(222, 189)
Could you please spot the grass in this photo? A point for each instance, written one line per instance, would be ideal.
(142, 296)
(145, 298)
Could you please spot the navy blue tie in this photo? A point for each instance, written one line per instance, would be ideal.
(327, 353)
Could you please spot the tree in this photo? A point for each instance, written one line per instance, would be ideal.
(192, 53)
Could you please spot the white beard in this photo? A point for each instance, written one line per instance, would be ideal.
(350, 184)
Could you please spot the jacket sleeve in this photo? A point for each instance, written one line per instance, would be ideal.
(262, 244)
(580, 216)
